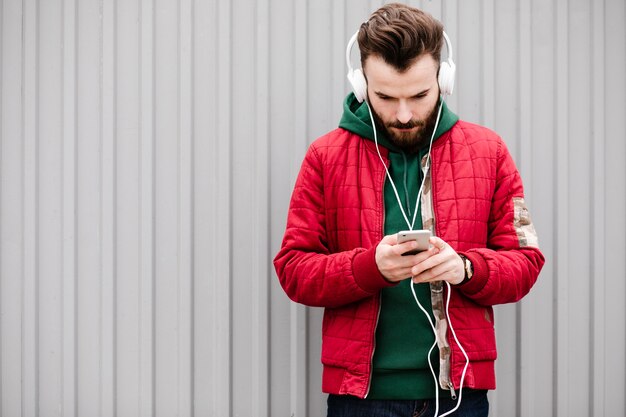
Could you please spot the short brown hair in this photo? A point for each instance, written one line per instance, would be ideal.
(399, 34)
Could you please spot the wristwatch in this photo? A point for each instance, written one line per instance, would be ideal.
(469, 270)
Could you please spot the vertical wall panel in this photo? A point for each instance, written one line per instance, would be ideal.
(56, 221)
(148, 149)
(166, 216)
(282, 175)
(221, 212)
(612, 165)
(11, 208)
(186, 215)
(537, 311)
(108, 226)
(249, 226)
(85, 310)
(561, 352)
(128, 198)
(243, 150)
(261, 253)
(68, 106)
(211, 348)
(29, 202)
(146, 213)
(579, 206)
(108, 127)
(598, 223)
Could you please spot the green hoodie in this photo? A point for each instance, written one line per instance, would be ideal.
(403, 334)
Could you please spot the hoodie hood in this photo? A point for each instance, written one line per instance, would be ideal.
(356, 118)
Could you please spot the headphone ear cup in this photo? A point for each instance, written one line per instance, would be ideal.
(446, 77)
(359, 84)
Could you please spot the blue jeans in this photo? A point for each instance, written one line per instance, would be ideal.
(473, 404)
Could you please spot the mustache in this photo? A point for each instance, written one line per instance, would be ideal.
(408, 125)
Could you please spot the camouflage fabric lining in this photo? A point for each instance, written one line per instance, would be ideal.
(523, 224)
(436, 289)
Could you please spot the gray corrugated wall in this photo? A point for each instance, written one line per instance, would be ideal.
(148, 150)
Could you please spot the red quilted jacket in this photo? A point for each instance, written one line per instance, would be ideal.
(336, 221)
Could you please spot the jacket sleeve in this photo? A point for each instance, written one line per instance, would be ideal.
(505, 271)
(307, 269)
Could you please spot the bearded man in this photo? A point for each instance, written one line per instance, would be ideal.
(402, 160)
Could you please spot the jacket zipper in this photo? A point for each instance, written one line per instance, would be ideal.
(450, 361)
(452, 391)
(380, 296)
(369, 382)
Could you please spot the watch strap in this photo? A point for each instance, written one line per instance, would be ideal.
(467, 268)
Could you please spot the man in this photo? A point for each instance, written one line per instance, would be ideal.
(358, 187)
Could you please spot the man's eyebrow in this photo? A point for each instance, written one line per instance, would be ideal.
(381, 94)
(420, 93)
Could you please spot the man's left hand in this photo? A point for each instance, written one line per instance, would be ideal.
(444, 264)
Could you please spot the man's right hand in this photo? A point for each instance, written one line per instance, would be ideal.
(391, 264)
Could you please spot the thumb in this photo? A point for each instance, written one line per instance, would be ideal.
(390, 240)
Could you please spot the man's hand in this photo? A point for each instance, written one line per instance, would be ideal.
(443, 264)
(391, 264)
(439, 263)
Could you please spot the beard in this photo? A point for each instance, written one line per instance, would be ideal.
(410, 142)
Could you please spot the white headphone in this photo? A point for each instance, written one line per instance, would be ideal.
(357, 80)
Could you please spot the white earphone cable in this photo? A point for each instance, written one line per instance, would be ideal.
(458, 403)
(411, 223)
(430, 365)
(432, 325)
(446, 83)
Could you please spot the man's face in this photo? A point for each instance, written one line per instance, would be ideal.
(404, 103)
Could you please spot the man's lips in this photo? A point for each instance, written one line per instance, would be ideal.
(404, 129)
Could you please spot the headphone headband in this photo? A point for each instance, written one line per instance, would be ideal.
(447, 70)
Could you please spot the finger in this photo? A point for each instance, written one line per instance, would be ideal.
(432, 260)
(404, 249)
(438, 243)
(440, 272)
(440, 262)
(400, 274)
(391, 265)
(390, 240)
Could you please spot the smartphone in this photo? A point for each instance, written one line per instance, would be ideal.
(421, 236)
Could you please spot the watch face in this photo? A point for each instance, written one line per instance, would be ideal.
(468, 268)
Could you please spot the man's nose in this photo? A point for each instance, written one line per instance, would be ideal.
(404, 114)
